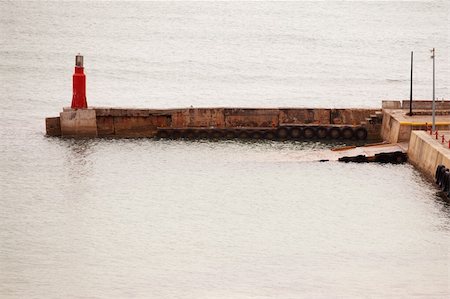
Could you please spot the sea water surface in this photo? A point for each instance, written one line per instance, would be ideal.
(143, 218)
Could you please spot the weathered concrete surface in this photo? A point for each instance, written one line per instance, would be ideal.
(350, 116)
(78, 123)
(130, 126)
(397, 125)
(417, 104)
(391, 104)
(304, 116)
(427, 104)
(135, 122)
(134, 126)
(105, 111)
(426, 153)
(198, 117)
(249, 117)
(53, 126)
(105, 126)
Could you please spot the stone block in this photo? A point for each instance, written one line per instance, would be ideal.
(118, 112)
(198, 117)
(351, 116)
(53, 126)
(304, 116)
(391, 104)
(246, 117)
(134, 126)
(427, 105)
(162, 121)
(78, 123)
(105, 126)
(374, 132)
(137, 112)
(102, 111)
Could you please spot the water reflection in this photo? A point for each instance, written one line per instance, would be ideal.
(78, 160)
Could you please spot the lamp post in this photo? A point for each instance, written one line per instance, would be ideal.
(434, 104)
(411, 87)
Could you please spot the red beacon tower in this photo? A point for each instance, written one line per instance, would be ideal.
(79, 85)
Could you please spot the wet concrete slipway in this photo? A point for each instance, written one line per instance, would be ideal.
(144, 218)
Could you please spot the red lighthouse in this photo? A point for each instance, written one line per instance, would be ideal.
(79, 85)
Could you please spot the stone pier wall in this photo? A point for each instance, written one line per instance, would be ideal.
(397, 128)
(123, 122)
(426, 153)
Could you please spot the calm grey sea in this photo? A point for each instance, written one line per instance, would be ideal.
(176, 219)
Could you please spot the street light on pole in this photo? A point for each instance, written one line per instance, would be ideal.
(434, 104)
(411, 87)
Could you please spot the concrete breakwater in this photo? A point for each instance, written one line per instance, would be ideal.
(426, 152)
(255, 123)
(431, 156)
(404, 136)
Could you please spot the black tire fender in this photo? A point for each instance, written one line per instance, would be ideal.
(309, 133)
(347, 133)
(335, 133)
(296, 133)
(322, 132)
(361, 133)
(282, 133)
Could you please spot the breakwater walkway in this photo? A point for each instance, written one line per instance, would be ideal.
(405, 137)
(219, 123)
(404, 133)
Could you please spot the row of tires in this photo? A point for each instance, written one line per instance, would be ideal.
(442, 177)
(281, 133)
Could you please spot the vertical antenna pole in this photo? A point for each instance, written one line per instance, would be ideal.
(411, 87)
(434, 104)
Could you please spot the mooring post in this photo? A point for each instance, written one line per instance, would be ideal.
(79, 85)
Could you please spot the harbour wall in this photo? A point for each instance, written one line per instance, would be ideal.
(397, 125)
(426, 153)
(132, 123)
(395, 128)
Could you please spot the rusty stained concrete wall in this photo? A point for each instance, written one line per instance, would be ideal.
(124, 122)
(304, 116)
(53, 126)
(266, 117)
(120, 122)
(249, 117)
(198, 117)
(130, 126)
(351, 116)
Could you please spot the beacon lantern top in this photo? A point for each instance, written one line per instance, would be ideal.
(79, 60)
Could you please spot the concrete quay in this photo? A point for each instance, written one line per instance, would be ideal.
(397, 124)
(214, 123)
(426, 152)
(391, 124)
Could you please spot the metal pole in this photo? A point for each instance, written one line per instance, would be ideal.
(434, 104)
(410, 89)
